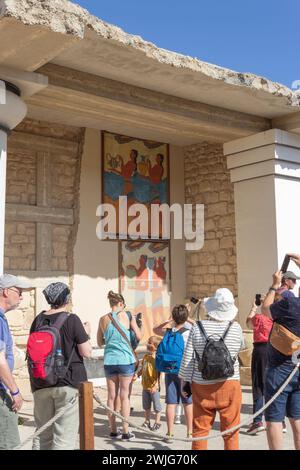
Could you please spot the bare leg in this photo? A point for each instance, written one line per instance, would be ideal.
(170, 414)
(188, 411)
(124, 396)
(147, 415)
(295, 423)
(157, 417)
(112, 393)
(118, 404)
(274, 435)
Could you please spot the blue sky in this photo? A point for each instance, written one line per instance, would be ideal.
(258, 36)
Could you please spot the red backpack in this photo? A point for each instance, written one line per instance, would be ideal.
(44, 353)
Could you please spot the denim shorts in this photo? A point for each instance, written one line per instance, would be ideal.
(288, 402)
(126, 370)
(149, 398)
(173, 391)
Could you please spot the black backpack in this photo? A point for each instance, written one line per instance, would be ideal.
(216, 361)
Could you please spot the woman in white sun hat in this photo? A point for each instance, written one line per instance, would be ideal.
(222, 391)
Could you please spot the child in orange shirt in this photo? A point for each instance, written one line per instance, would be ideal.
(150, 384)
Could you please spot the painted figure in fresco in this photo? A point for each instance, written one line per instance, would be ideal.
(157, 171)
(143, 165)
(118, 180)
(128, 170)
(136, 179)
(159, 287)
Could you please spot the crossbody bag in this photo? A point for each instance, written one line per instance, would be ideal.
(126, 339)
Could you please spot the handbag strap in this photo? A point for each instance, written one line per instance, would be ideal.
(123, 335)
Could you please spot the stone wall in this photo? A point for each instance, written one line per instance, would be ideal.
(43, 172)
(207, 181)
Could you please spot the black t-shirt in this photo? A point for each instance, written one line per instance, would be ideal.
(72, 333)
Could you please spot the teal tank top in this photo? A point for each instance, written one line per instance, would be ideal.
(117, 350)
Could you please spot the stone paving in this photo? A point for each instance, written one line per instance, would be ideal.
(144, 441)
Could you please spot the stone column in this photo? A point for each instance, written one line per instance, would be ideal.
(12, 111)
(265, 170)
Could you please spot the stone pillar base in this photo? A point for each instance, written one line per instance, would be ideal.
(245, 373)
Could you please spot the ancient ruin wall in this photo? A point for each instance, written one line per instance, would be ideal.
(207, 181)
(43, 174)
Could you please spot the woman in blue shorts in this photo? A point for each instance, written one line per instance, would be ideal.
(119, 360)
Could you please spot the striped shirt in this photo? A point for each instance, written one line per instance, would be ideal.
(234, 342)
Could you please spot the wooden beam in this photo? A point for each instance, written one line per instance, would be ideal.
(86, 416)
(48, 215)
(43, 246)
(93, 97)
(39, 143)
(43, 190)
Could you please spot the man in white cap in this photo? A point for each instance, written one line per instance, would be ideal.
(11, 288)
(289, 280)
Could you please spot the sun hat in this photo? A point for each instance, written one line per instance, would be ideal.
(221, 305)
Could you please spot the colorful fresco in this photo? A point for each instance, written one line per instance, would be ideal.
(134, 168)
(145, 280)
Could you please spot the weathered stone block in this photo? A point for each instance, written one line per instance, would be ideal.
(21, 341)
(15, 318)
(245, 357)
(217, 209)
(211, 245)
(220, 279)
(226, 269)
(245, 374)
(226, 242)
(248, 338)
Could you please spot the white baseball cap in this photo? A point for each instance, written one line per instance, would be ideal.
(8, 280)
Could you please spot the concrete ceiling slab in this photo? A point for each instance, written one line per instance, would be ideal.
(65, 34)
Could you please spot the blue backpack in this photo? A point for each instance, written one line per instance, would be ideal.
(170, 352)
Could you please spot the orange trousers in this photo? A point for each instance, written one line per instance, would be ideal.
(224, 397)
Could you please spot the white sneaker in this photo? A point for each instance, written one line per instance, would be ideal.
(177, 419)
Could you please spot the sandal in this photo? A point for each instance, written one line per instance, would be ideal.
(146, 424)
(155, 427)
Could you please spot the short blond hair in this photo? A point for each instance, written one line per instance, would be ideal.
(154, 342)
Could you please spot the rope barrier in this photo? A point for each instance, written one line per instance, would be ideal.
(202, 438)
(49, 423)
(154, 433)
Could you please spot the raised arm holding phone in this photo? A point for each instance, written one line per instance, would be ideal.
(285, 314)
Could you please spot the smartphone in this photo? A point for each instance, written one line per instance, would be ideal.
(187, 389)
(138, 319)
(194, 300)
(258, 299)
(285, 264)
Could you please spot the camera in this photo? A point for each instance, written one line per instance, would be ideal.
(194, 300)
